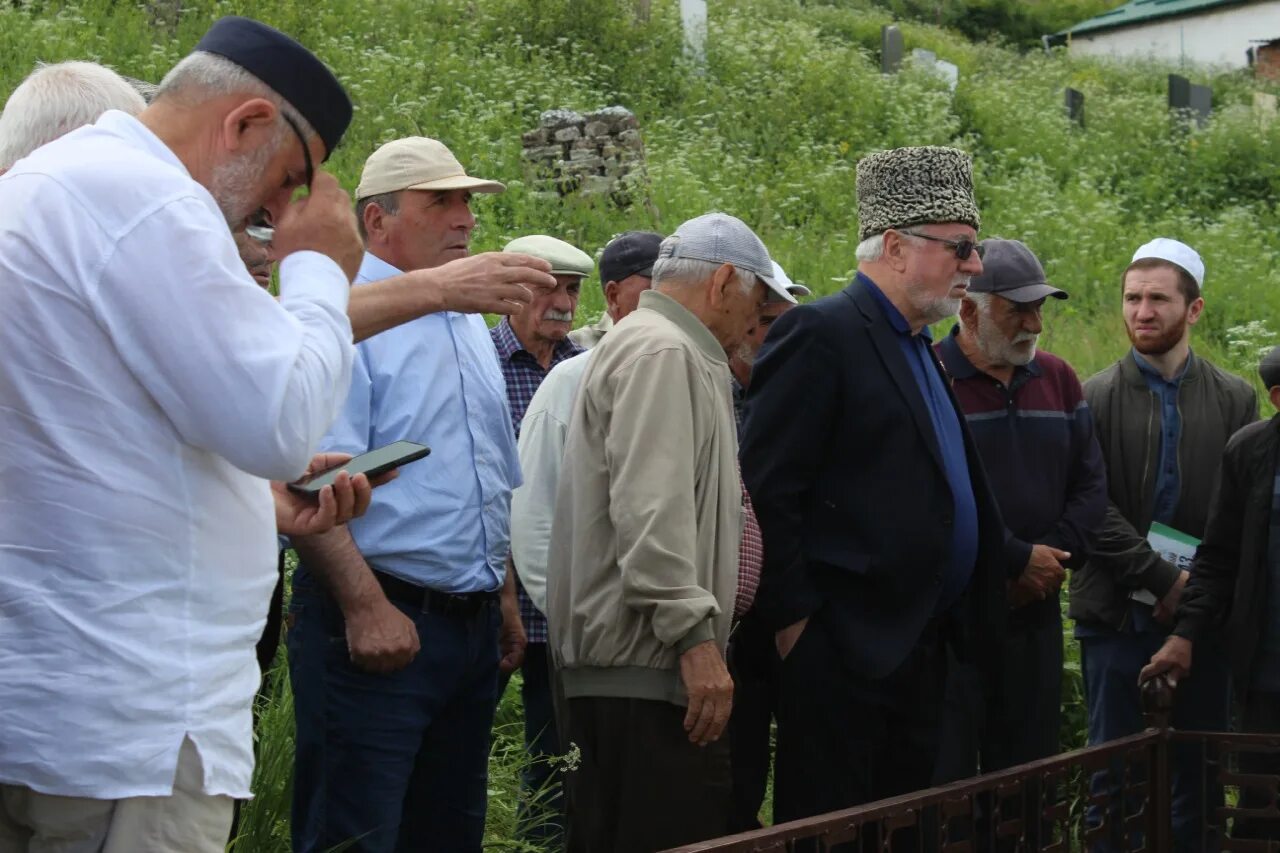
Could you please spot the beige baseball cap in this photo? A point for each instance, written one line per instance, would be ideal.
(417, 163)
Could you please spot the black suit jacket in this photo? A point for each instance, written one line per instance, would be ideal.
(844, 468)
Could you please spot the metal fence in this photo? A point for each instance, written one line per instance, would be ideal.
(1104, 799)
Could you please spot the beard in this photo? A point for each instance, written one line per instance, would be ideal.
(999, 349)
(1162, 344)
(935, 309)
(237, 184)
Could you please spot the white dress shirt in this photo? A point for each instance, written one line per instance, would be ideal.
(148, 389)
(541, 446)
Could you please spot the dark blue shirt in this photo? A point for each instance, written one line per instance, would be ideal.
(946, 428)
(1168, 476)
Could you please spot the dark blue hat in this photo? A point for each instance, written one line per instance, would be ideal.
(630, 253)
(1269, 368)
(291, 70)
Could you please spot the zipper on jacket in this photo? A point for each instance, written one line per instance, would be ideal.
(1146, 462)
(1177, 451)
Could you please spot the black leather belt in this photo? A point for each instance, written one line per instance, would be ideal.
(463, 604)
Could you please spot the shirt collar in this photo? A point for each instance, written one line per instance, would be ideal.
(958, 365)
(891, 312)
(1151, 373)
(508, 344)
(374, 268)
(124, 125)
(685, 319)
(953, 359)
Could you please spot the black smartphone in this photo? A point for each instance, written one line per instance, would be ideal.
(371, 464)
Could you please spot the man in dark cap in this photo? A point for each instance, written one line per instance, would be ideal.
(1237, 571)
(1034, 433)
(150, 391)
(626, 271)
(883, 544)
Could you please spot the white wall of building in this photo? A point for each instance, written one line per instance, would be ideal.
(1218, 37)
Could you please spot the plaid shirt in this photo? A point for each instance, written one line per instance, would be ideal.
(751, 551)
(523, 375)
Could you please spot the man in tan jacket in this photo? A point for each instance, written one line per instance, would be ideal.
(647, 525)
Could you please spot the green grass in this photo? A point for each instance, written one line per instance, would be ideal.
(770, 130)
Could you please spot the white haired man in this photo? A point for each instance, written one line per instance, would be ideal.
(149, 391)
(640, 602)
(56, 99)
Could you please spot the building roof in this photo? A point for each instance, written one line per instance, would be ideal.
(1145, 11)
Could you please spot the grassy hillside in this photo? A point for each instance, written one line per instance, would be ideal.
(770, 130)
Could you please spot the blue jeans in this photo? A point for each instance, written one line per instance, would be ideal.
(396, 762)
(1111, 661)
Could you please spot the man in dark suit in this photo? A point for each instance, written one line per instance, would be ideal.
(883, 546)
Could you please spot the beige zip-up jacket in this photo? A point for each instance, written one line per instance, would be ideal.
(644, 546)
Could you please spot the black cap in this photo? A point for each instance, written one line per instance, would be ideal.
(630, 253)
(1009, 269)
(1269, 368)
(291, 70)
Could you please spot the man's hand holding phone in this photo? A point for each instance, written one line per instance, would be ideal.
(300, 514)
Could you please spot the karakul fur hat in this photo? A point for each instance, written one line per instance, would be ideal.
(914, 186)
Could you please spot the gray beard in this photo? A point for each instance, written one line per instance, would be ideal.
(236, 183)
(937, 310)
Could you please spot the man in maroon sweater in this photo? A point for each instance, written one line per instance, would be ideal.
(1034, 432)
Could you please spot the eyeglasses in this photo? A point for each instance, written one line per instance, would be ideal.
(964, 247)
(306, 151)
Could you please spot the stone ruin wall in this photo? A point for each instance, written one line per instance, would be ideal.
(596, 154)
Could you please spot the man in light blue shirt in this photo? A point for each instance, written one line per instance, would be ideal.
(394, 650)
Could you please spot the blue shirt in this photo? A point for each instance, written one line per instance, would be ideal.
(1168, 476)
(444, 523)
(946, 427)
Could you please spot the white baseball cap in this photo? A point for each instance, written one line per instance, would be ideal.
(1177, 253)
(780, 275)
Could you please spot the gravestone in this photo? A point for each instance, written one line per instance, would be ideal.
(1074, 100)
(946, 70)
(693, 17)
(891, 48)
(1186, 97)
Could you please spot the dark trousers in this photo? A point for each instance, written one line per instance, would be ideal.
(1261, 714)
(1110, 661)
(753, 664)
(269, 642)
(640, 785)
(395, 762)
(541, 809)
(1025, 727)
(845, 739)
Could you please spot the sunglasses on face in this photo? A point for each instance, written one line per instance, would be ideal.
(964, 247)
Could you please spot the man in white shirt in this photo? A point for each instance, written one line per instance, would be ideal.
(148, 392)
